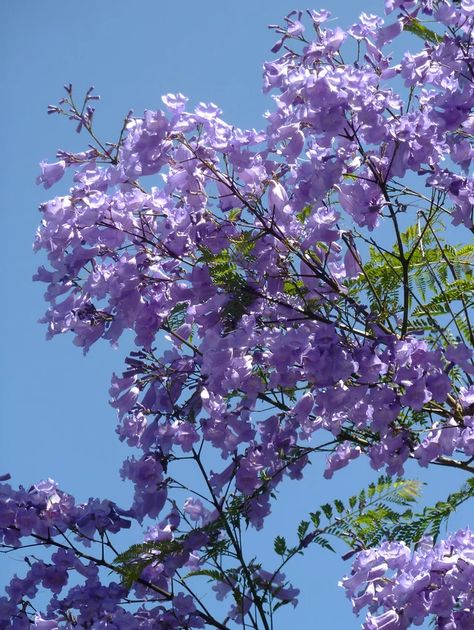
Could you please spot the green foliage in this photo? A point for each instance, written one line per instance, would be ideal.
(327, 510)
(294, 288)
(235, 308)
(227, 270)
(382, 511)
(177, 316)
(369, 513)
(304, 214)
(234, 214)
(455, 291)
(429, 522)
(436, 277)
(302, 529)
(244, 244)
(359, 522)
(131, 563)
(381, 281)
(213, 574)
(420, 30)
(223, 270)
(279, 545)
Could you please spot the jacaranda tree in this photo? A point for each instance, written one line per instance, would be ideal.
(299, 292)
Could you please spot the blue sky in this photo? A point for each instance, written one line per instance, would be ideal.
(56, 421)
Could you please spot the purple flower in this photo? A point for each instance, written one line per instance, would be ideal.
(363, 201)
(195, 509)
(461, 355)
(277, 196)
(51, 173)
(44, 624)
(389, 620)
(340, 458)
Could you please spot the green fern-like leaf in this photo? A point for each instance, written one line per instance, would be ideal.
(131, 563)
(420, 30)
(302, 529)
(452, 291)
(279, 545)
(430, 521)
(213, 574)
(367, 518)
(177, 316)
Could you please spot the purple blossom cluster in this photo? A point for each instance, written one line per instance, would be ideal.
(49, 517)
(242, 259)
(406, 587)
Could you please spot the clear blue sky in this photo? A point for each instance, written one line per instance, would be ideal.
(55, 418)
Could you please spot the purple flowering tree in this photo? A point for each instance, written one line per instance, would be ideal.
(293, 295)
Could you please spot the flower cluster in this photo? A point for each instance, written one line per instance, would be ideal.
(248, 257)
(49, 517)
(408, 587)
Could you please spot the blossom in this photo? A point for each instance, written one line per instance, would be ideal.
(409, 586)
(51, 173)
